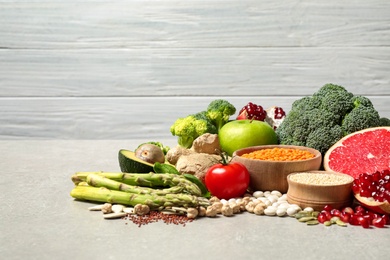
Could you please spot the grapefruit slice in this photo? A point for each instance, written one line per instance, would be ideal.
(365, 151)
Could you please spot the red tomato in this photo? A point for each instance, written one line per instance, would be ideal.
(226, 181)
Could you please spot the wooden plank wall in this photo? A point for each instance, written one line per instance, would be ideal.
(127, 69)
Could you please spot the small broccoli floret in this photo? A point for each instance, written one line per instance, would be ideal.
(337, 103)
(360, 118)
(324, 137)
(306, 103)
(330, 89)
(294, 129)
(361, 101)
(189, 128)
(384, 121)
(219, 112)
(317, 118)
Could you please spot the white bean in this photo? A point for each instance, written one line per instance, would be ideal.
(270, 211)
(308, 209)
(283, 197)
(291, 211)
(267, 193)
(223, 201)
(232, 200)
(281, 212)
(276, 192)
(284, 205)
(272, 198)
(258, 194)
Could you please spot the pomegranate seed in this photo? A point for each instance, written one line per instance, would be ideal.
(364, 222)
(322, 217)
(386, 218)
(327, 214)
(360, 209)
(328, 208)
(353, 220)
(335, 212)
(376, 176)
(379, 222)
(345, 216)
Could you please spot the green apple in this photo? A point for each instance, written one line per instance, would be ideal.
(239, 134)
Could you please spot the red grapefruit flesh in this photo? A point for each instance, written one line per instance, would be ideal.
(365, 151)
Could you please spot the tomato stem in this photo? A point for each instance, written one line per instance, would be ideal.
(224, 158)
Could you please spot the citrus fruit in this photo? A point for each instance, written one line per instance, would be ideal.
(365, 151)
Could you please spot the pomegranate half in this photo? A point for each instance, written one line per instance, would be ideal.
(376, 206)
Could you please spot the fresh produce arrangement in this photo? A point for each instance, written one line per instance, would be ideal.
(198, 178)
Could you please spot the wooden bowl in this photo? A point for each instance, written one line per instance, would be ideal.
(316, 194)
(272, 175)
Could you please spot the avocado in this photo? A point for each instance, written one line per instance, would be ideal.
(129, 163)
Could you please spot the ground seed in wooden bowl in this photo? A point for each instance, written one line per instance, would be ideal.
(320, 178)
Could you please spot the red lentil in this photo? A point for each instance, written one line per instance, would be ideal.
(279, 154)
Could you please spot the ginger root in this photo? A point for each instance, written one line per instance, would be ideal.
(207, 143)
(204, 153)
(197, 164)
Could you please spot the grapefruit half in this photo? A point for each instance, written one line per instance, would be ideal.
(365, 151)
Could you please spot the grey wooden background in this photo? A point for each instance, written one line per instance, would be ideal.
(127, 69)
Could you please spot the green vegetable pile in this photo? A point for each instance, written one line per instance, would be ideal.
(320, 120)
(187, 129)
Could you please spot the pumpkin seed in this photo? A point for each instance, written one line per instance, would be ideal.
(327, 223)
(341, 223)
(306, 219)
(312, 222)
(302, 214)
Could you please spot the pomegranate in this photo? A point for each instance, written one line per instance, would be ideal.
(253, 112)
(373, 191)
(274, 115)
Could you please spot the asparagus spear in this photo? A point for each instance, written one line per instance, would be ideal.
(101, 181)
(154, 202)
(152, 180)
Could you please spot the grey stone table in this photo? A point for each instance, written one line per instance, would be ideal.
(39, 219)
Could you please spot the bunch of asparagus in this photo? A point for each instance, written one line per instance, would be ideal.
(158, 191)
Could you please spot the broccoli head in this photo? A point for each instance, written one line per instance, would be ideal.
(187, 129)
(219, 112)
(318, 121)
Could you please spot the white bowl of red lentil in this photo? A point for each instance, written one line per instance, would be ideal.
(268, 174)
(316, 189)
